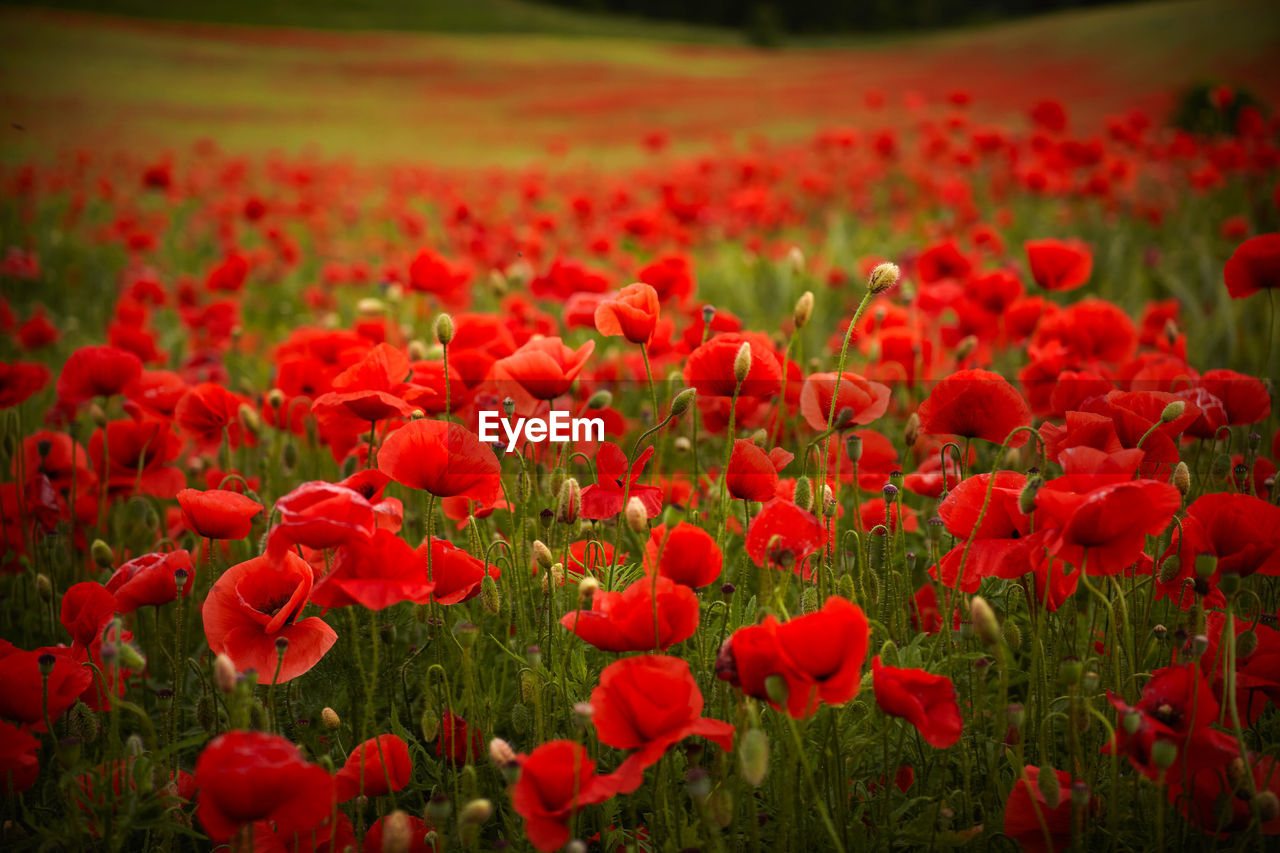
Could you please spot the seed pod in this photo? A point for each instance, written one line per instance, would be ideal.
(439, 807)
(83, 723)
(753, 757)
(1164, 753)
(853, 447)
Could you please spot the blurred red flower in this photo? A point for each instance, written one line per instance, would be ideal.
(926, 701)
(632, 621)
(442, 458)
(218, 513)
(376, 767)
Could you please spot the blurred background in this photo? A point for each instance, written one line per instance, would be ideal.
(510, 82)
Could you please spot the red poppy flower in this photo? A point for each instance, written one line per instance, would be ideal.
(20, 380)
(557, 780)
(865, 400)
(458, 742)
(245, 777)
(374, 388)
(649, 703)
(1254, 266)
(87, 607)
(376, 767)
(783, 535)
(633, 313)
(442, 458)
(1028, 817)
(588, 556)
(604, 498)
(256, 603)
(631, 620)
(207, 412)
(19, 760)
(926, 701)
(1244, 398)
(218, 513)
(752, 475)
(709, 368)
(975, 404)
(1105, 528)
(542, 369)
(455, 574)
(97, 372)
(819, 655)
(22, 699)
(687, 554)
(1217, 801)
(942, 260)
(321, 515)
(1059, 264)
(139, 456)
(1241, 531)
(376, 573)
(149, 580)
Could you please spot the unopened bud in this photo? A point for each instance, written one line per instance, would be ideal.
(44, 587)
(587, 588)
(330, 720)
(602, 399)
(429, 723)
(501, 754)
(911, 433)
(569, 501)
(1170, 568)
(397, 833)
(984, 620)
(637, 516)
(682, 401)
(1182, 478)
(683, 445)
(1246, 644)
(370, 307)
(542, 554)
(131, 658)
(1173, 411)
(249, 420)
(883, 277)
(804, 309)
(490, 597)
(1267, 805)
(1027, 497)
(742, 363)
(1047, 782)
(101, 553)
(804, 493)
(1164, 753)
(753, 757)
(444, 329)
(475, 812)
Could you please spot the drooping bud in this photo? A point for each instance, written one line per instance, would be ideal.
(803, 310)
(429, 723)
(911, 433)
(1027, 497)
(742, 363)
(444, 329)
(1173, 411)
(101, 553)
(602, 399)
(1047, 782)
(1246, 643)
(883, 277)
(83, 723)
(682, 401)
(753, 757)
(250, 422)
(490, 597)
(1170, 568)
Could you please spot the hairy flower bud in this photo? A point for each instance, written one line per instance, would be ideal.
(804, 493)
(224, 674)
(444, 329)
(636, 515)
(1048, 785)
(883, 277)
(803, 310)
(101, 553)
(984, 620)
(490, 597)
(1173, 411)
(911, 433)
(330, 720)
(682, 401)
(602, 399)
(1182, 478)
(753, 757)
(397, 833)
(429, 723)
(742, 363)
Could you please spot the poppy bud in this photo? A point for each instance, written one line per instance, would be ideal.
(1164, 753)
(637, 516)
(417, 350)
(83, 723)
(803, 310)
(1246, 644)
(844, 417)
(98, 416)
(249, 420)
(575, 846)
(444, 329)
(1199, 645)
(682, 401)
(554, 576)
(275, 399)
(476, 812)
(131, 658)
(708, 314)
(1173, 411)
(804, 493)
(1182, 478)
(429, 723)
(683, 445)
(776, 686)
(883, 277)
(1071, 672)
(370, 307)
(984, 620)
(206, 712)
(602, 399)
(44, 587)
(224, 674)
(1267, 805)
(965, 347)
(569, 501)
(490, 597)
(542, 554)
(533, 655)
(1229, 583)
(912, 431)
(753, 757)
(439, 808)
(330, 720)
(1169, 568)
(521, 719)
(101, 553)
(290, 457)
(134, 746)
(853, 447)
(844, 587)
(1027, 497)
(828, 500)
(742, 363)
(1047, 782)
(466, 633)
(397, 833)
(1132, 722)
(1012, 635)
(587, 588)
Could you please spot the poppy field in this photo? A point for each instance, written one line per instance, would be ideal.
(932, 505)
